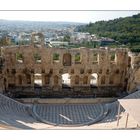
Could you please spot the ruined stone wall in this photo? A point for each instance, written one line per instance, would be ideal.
(134, 72)
(110, 66)
(91, 72)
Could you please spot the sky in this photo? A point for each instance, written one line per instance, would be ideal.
(70, 16)
(21, 10)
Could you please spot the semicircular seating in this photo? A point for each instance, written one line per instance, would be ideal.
(15, 114)
(18, 115)
(69, 114)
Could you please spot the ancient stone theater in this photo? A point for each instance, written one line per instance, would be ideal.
(37, 70)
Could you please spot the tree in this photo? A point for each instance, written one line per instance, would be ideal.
(124, 30)
(66, 38)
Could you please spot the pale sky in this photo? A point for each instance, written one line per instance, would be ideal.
(72, 16)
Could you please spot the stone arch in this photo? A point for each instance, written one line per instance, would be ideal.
(85, 80)
(56, 57)
(111, 79)
(37, 57)
(19, 78)
(72, 71)
(95, 57)
(117, 71)
(67, 59)
(19, 57)
(56, 80)
(112, 56)
(81, 71)
(103, 80)
(94, 80)
(66, 81)
(28, 78)
(37, 79)
(77, 79)
(77, 58)
(47, 79)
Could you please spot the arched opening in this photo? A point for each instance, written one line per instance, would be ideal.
(111, 79)
(89, 71)
(5, 83)
(103, 80)
(28, 78)
(47, 79)
(37, 80)
(37, 83)
(56, 58)
(66, 81)
(77, 58)
(37, 58)
(81, 71)
(76, 79)
(112, 56)
(94, 80)
(72, 71)
(85, 80)
(117, 71)
(13, 71)
(55, 80)
(19, 57)
(67, 59)
(19, 80)
(95, 57)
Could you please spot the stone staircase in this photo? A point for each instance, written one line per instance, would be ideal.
(15, 114)
(20, 116)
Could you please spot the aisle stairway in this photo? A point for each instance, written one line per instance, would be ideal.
(15, 114)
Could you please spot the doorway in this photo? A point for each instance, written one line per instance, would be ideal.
(94, 80)
(66, 81)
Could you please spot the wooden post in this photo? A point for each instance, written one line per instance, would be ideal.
(126, 120)
(118, 116)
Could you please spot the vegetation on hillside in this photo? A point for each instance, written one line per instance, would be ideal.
(124, 30)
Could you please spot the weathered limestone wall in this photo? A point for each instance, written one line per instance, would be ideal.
(134, 72)
(35, 69)
(111, 72)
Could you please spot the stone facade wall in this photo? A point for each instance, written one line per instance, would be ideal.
(134, 72)
(91, 72)
(21, 73)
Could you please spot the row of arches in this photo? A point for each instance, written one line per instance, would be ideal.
(94, 78)
(20, 79)
(66, 80)
(67, 58)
